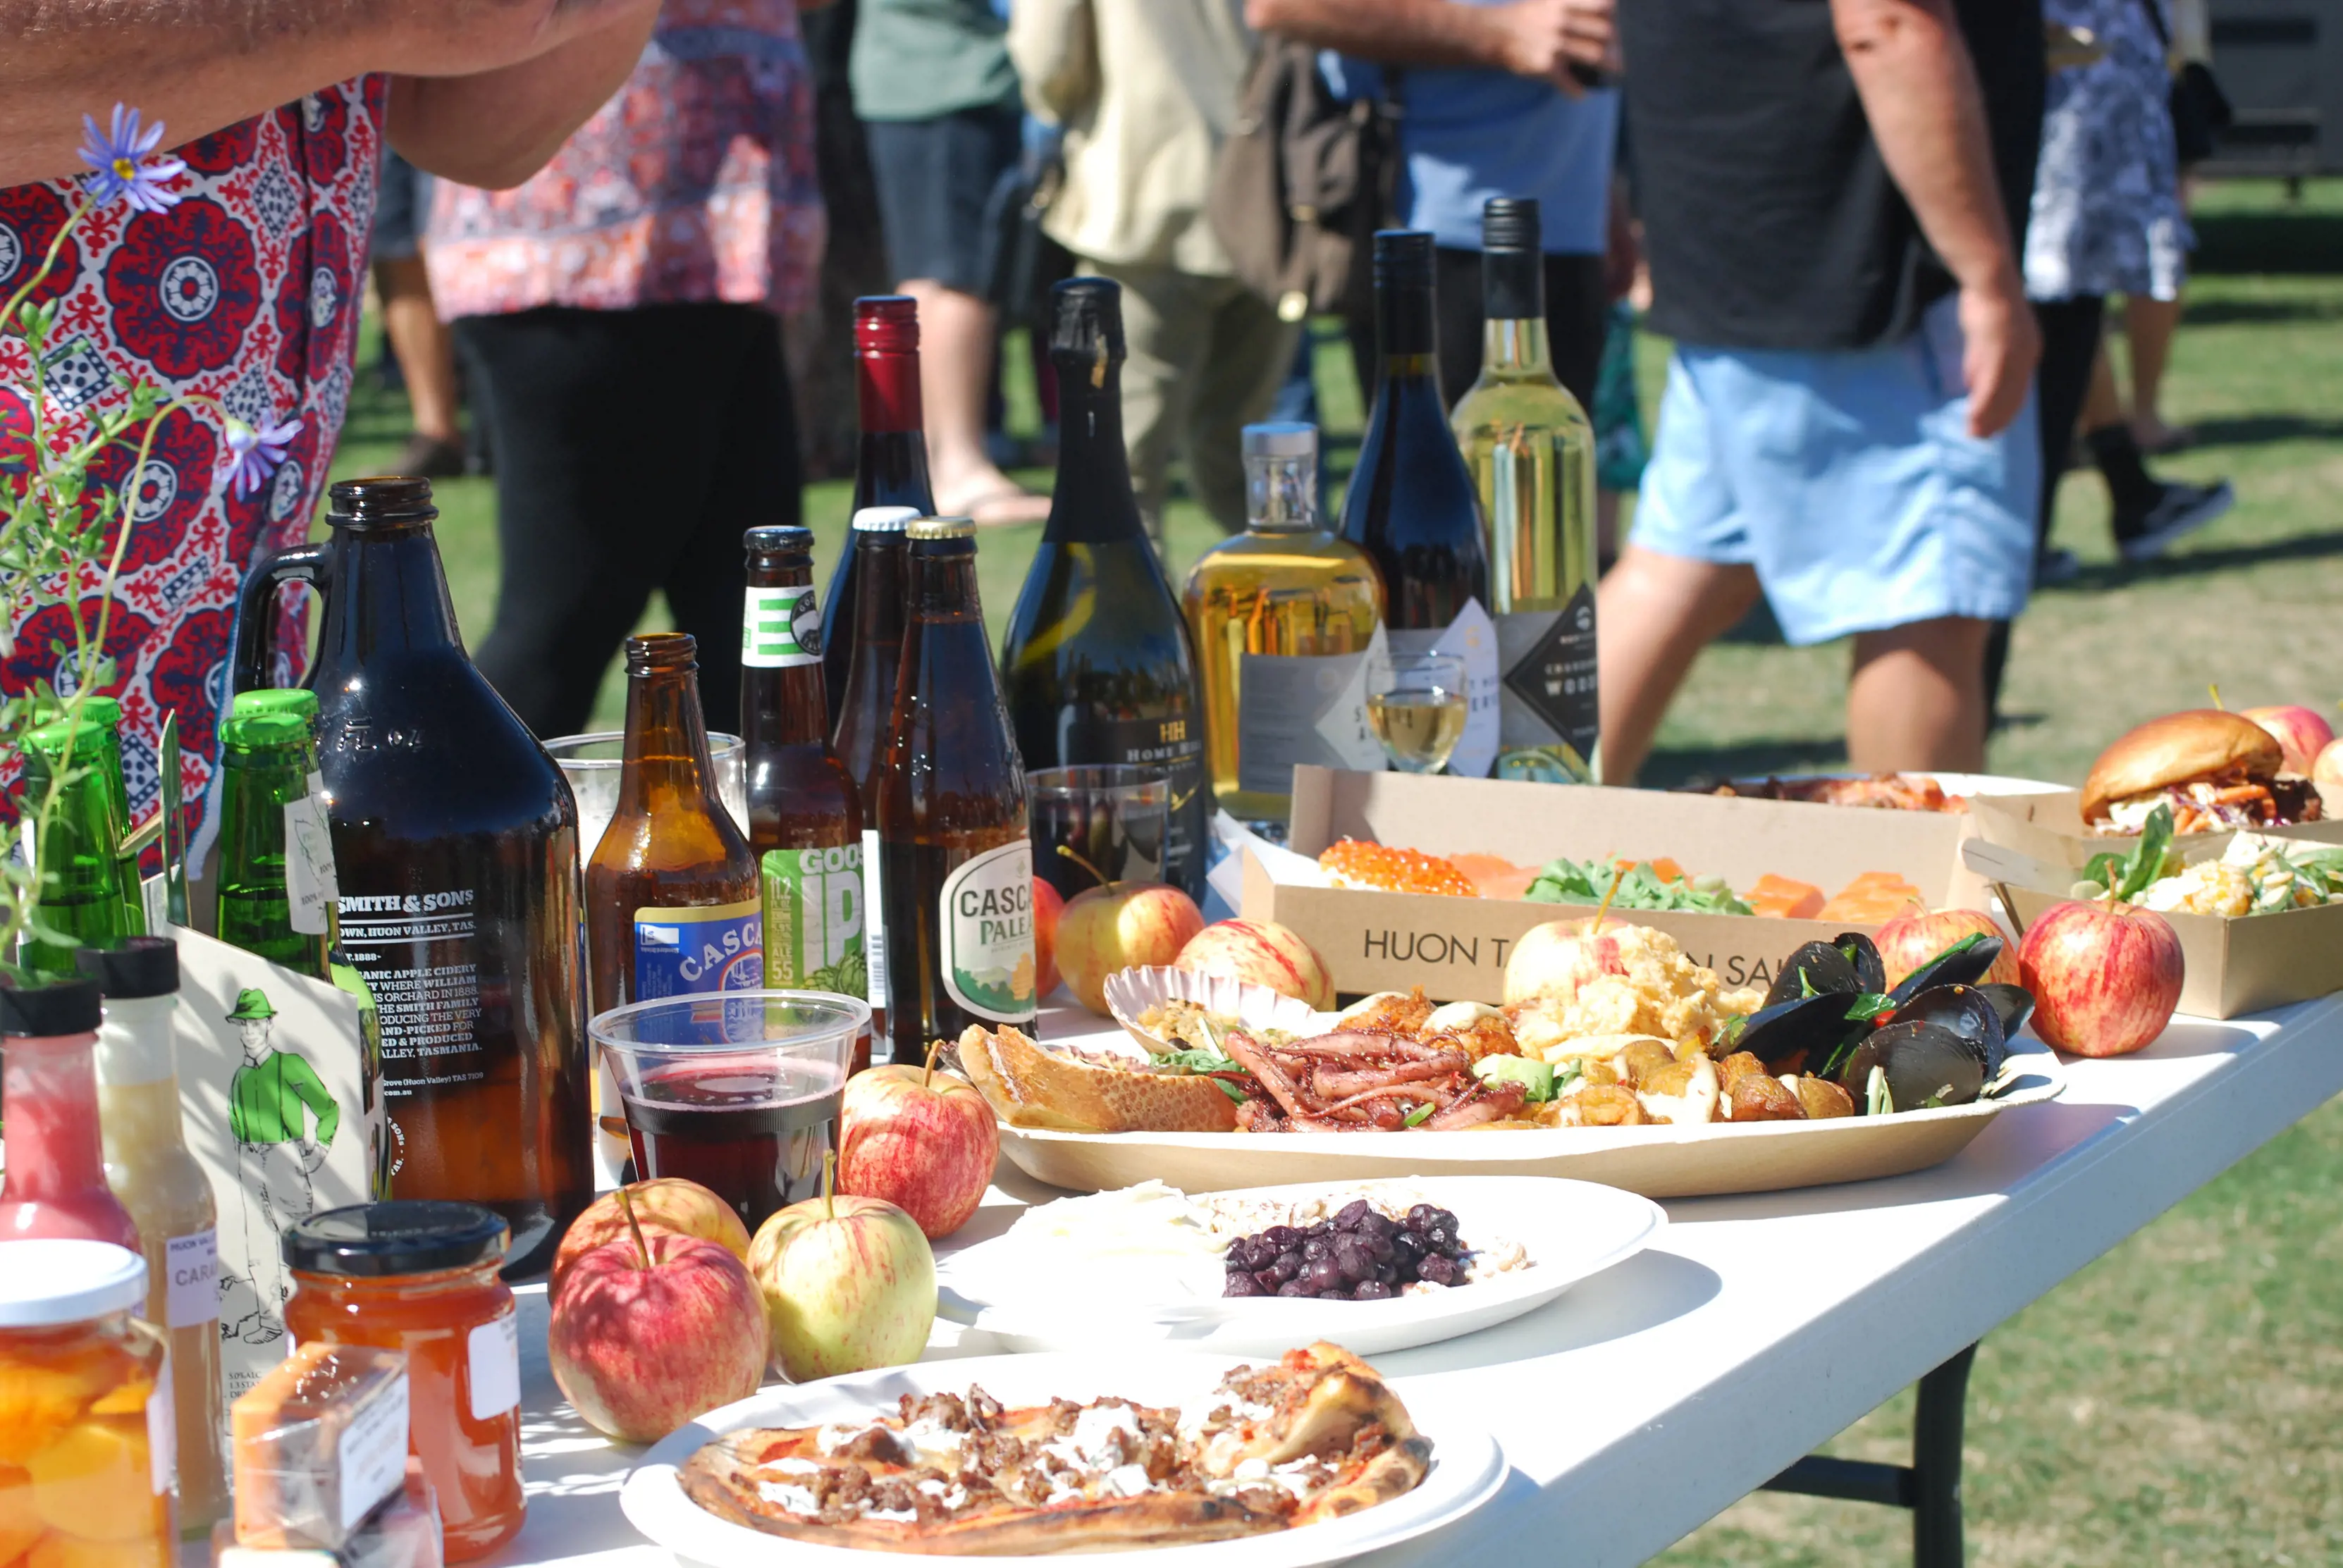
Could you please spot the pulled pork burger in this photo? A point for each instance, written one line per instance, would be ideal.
(2215, 769)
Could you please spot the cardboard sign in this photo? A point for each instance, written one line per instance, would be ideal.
(2050, 827)
(1456, 947)
(280, 1110)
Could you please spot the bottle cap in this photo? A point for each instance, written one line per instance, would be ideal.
(1086, 318)
(86, 734)
(263, 730)
(383, 502)
(1285, 439)
(132, 967)
(52, 1008)
(887, 324)
(404, 1236)
(884, 520)
(297, 700)
(779, 539)
(941, 529)
(1402, 258)
(1510, 223)
(53, 1281)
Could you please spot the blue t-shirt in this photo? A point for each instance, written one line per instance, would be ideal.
(1470, 135)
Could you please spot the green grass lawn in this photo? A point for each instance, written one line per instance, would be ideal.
(2179, 1400)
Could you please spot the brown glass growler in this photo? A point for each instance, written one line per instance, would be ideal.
(671, 889)
(891, 464)
(956, 859)
(805, 814)
(868, 715)
(455, 847)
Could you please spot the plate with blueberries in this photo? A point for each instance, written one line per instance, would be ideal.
(1375, 1265)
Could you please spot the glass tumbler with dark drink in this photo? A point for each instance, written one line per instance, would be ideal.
(1112, 816)
(736, 1090)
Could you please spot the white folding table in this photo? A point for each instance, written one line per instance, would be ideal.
(1649, 1398)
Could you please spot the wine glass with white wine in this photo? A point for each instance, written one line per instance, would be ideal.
(1416, 703)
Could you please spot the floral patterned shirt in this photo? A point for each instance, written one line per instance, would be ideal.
(2107, 217)
(248, 290)
(696, 182)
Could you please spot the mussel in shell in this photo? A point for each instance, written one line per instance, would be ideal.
(1926, 1065)
(2015, 1003)
(1968, 1013)
(1800, 1032)
(1957, 965)
(1849, 964)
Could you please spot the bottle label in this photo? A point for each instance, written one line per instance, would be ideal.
(492, 1354)
(372, 1454)
(1308, 710)
(985, 921)
(781, 627)
(416, 954)
(710, 947)
(1548, 703)
(1174, 747)
(191, 1294)
(815, 920)
(1473, 638)
(874, 921)
(163, 1432)
(311, 888)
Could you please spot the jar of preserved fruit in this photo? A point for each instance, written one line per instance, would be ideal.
(421, 1276)
(87, 1429)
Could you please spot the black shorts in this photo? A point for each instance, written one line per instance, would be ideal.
(934, 178)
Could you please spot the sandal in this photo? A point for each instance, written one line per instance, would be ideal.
(1002, 507)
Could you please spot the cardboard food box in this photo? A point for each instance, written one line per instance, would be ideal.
(2049, 828)
(2234, 965)
(1455, 948)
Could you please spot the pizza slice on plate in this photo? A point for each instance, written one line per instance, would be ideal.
(1316, 1437)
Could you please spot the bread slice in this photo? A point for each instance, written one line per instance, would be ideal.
(2175, 749)
(1030, 1087)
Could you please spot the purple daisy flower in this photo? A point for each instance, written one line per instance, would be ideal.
(122, 162)
(252, 456)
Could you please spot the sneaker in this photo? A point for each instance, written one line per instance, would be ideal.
(429, 458)
(2055, 567)
(2179, 510)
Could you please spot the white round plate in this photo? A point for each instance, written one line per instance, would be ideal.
(1040, 1296)
(1466, 1466)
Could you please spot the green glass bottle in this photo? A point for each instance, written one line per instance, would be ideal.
(272, 899)
(80, 852)
(105, 712)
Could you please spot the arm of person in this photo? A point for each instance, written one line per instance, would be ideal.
(1054, 45)
(303, 1081)
(1920, 92)
(199, 65)
(1540, 38)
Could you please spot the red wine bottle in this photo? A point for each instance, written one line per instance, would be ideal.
(891, 466)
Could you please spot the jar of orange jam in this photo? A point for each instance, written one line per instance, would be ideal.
(421, 1277)
(86, 1433)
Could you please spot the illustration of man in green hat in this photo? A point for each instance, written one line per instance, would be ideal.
(269, 1103)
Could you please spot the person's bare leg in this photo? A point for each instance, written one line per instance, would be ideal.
(1654, 614)
(2149, 327)
(955, 365)
(1915, 697)
(425, 348)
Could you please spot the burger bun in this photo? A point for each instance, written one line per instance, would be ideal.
(2178, 748)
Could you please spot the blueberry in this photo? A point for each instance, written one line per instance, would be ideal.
(1374, 1291)
(1443, 1219)
(1407, 1246)
(1422, 1217)
(1324, 1275)
(1387, 1273)
(1242, 1284)
(1440, 1238)
(1321, 1229)
(1293, 1287)
(1353, 1214)
(1380, 1225)
(1438, 1270)
(1268, 1280)
(1315, 1248)
(1288, 1265)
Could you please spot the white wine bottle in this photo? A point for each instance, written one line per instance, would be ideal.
(1531, 452)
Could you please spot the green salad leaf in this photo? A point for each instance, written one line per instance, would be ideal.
(1196, 1060)
(1419, 1115)
(1564, 880)
(1536, 1077)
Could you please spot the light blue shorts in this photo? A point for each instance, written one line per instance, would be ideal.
(1848, 479)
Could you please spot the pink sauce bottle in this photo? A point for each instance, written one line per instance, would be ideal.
(55, 1182)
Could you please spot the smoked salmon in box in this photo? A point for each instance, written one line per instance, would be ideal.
(1455, 947)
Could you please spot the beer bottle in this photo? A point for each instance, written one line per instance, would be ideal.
(276, 868)
(79, 852)
(456, 840)
(105, 712)
(805, 814)
(956, 854)
(860, 741)
(890, 465)
(671, 889)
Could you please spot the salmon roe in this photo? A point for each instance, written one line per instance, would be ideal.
(1360, 864)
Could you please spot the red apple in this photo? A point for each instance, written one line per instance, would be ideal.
(2326, 767)
(1118, 926)
(1908, 941)
(2105, 979)
(652, 1328)
(666, 1204)
(1263, 954)
(2301, 733)
(1047, 905)
(924, 1140)
(850, 1283)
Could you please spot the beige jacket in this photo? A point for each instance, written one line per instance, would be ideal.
(1146, 90)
